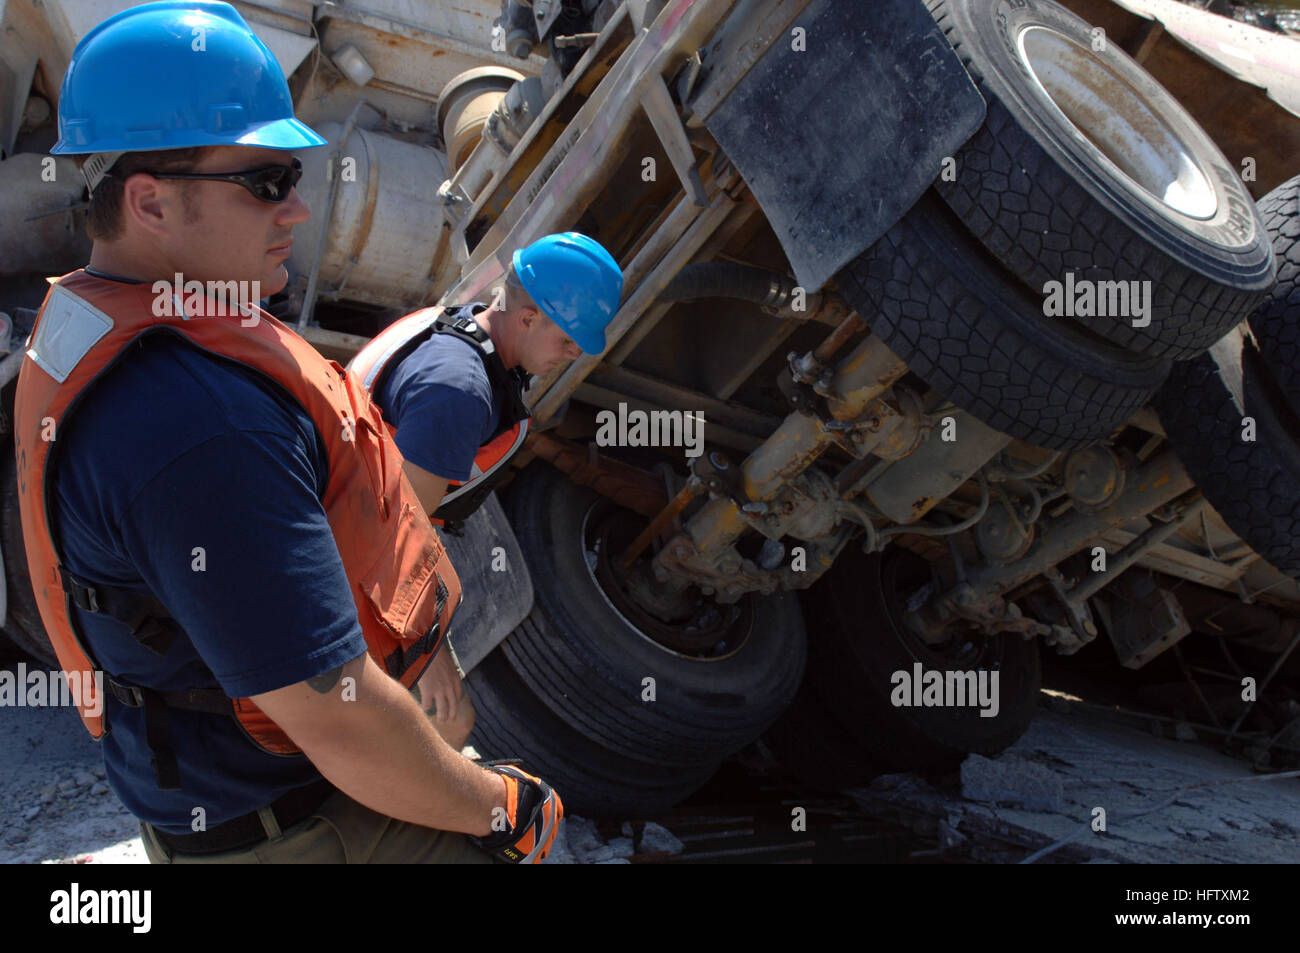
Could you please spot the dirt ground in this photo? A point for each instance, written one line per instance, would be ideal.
(56, 808)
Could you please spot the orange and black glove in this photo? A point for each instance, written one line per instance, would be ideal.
(533, 811)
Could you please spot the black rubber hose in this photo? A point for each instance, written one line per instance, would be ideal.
(722, 279)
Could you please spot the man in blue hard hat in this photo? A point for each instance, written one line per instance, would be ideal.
(226, 557)
(451, 381)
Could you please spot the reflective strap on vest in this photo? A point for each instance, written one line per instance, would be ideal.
(398, 341)
(494, 467)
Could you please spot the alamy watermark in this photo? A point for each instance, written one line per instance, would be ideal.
(207, 299)
(651, 428)
(1084, 298)
(945, 689)
(40, 688)
(78, 906)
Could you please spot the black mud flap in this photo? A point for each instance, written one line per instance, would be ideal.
(838, 132)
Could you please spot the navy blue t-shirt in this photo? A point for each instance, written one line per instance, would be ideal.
(187, 476)
(441, 402)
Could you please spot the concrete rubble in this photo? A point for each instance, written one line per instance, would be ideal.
(55, 806)
(1049, 784)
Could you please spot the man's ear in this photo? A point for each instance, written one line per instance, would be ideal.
(528, 317)
(142, 203)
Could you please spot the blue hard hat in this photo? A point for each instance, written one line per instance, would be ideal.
(575, 282)
(175, 75)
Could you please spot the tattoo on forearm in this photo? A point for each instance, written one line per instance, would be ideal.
(325, 681)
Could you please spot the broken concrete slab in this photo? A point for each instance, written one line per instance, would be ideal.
(1011, 780)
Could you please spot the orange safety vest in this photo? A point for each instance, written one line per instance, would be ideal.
(402, 580)
(398, 340)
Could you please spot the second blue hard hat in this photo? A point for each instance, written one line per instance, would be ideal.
(174, 75)
(575, 282)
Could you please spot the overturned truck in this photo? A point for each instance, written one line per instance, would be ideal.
(948, 337)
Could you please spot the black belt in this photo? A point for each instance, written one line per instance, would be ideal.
(247, 831)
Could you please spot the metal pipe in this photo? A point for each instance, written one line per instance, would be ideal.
(626, 485)
(953, 529)
(657, 525)
(1153, 485)
(869, 371)
(859, 516)
(1029, 474)
(1131, 553)
(336, 157)
(1277, 664)
(837, 338)
(913, 486)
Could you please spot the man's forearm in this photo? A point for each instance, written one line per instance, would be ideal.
(372, 741)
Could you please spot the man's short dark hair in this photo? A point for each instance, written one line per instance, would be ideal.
(516, 297)
(104, 215)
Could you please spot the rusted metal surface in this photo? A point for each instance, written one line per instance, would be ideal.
(703, 551)
(578, 167)
(911, 487)
(850, 326)
(534, 150)
(1239, 115)
(459, 36)
(861, 378)
(662, 521)
(1153, 485)
(624, 484)
(1130, 554)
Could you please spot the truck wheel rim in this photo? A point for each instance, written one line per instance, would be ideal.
(1109, 102)
(599, 549)
(902, 574)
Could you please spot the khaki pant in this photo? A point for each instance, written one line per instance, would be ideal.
(340, 832)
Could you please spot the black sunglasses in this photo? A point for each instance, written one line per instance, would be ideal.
(270, 183)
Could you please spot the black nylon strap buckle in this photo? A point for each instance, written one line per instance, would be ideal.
(128, 695)
(145, 616)
(83, 597)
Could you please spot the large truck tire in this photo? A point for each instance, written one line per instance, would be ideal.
(608, 679)
(1253, 483)
(1276, 325)
(811, 744)
(941, 303)
(843, 729)
(23, 626)
(592, 781)
(1085, 163)
(863, 644)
